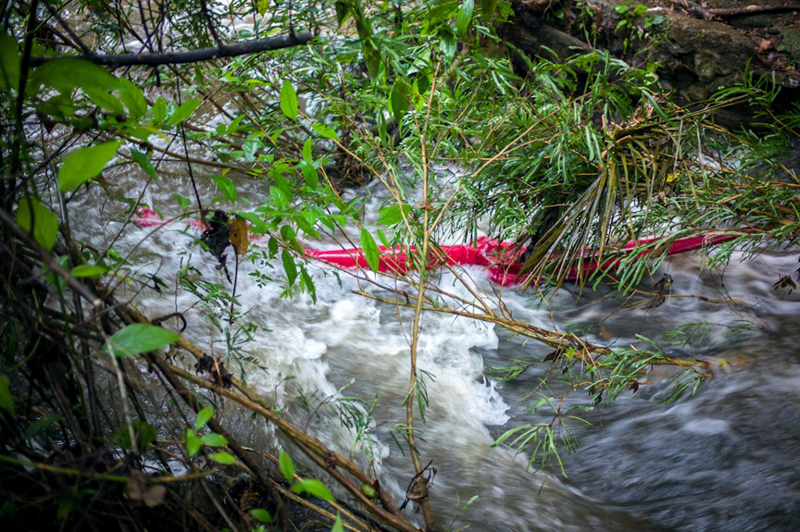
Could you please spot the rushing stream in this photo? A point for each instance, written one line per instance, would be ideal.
(726, 458)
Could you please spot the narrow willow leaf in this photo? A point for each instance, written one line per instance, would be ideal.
(314, 487)
(139, 338)
(223, 458)
(214, 440)
(289, 100)
(31, 213)
(88, 270)
(286, 466)
(203, 417)
(371, 252)
(83, 164)
(464, 16)
(144, 162)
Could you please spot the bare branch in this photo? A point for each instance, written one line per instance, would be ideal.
(192, 56)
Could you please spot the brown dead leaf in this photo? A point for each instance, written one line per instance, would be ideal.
(240, 236)
(764, 45)
(140, 490)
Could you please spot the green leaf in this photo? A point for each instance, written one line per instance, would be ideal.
(337, 525)
(371, 252)
(9, 62)
(88, 270)
(35, 428)
(144, 162)
(369, 491)
(289, 100)
(64, 75)
(133, 98)
(214, 440)
(203, 417)
(184, 111)
(160, 109)
(289, 266)
(464, 16)
(261, 515)
(314, 487)
(83, 164)
(104, 99)
(31, 213)
(400, 98)
(308, 155)
(488, 8)
(139, 338)
(325, 131)
(393, 214)
(342, 12)
(6, 399)
(286, 466)
(193, 443)
(223, 458)
(309, 174)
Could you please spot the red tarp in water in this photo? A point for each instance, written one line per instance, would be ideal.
(489, 253)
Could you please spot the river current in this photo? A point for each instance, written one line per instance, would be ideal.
(725, 458)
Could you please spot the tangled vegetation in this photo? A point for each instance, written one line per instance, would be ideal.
(108, 414)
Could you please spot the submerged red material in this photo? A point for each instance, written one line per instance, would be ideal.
(489, 253)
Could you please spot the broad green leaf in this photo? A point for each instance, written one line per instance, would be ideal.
(9, 62)
(261, 515)
(83, 164)
(289, 100)
(223, 458)
(88, 270)
(448, 43)
(144, 162)
(203, 417)
(400, 98)
(193, 443)
(214, 440)
(488, 8)
(31, 213)
(184, 111)
(308, 155)
(64, 75)
(337, 525)
(309, 174)
(286, 466)
(6, 399)
(325, 131)
(313, 487)
(393, 214)
(371, 252)
(104, 99)
(289, 266)
(160, 110)
(464, 16)
(133, 98)
(35, 428)
(139, 338)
